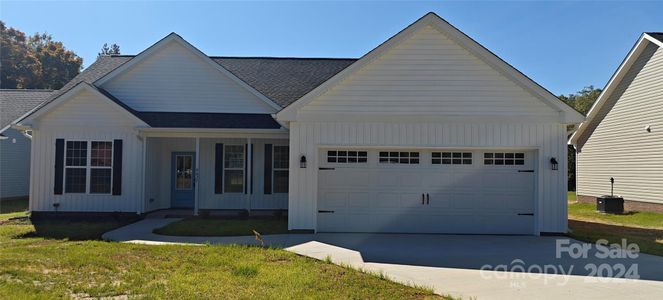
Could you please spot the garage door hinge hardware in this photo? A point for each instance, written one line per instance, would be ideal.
(529, 214)
(525, 171)
(427, 199)
(326, 168)
(326, 211)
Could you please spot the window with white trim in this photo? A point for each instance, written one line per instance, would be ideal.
(280, 166)
(233, 168)
(347, 157)
(504, 158)
(93, 160)
(392, 157)
(451, 158)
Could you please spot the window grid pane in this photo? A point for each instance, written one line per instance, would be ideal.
(76, 153)
(234, 157)
(100, 181)
(281, 157)
(281, 181)
(452, 158)
(344, 157)
(101, 154)
(398, 157)
(233, 181)
(504, 158)
(75, 179)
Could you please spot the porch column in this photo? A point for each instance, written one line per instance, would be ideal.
(196, 178)
(249, 182)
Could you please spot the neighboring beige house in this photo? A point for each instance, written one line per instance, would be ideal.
(622, 137)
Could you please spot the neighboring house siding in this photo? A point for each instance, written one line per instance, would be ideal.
(548, 138)
(175, 79)
(619, 145)
(14, 165)
(71, 121)
(428, 73)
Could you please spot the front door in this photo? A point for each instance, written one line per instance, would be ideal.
(182, 183)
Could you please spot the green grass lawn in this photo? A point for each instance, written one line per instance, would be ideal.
(224, 227)
(62, 259)
(642, 228)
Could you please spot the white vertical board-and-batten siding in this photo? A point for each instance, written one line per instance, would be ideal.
(72, 121)
(619, 145)
(548, 138)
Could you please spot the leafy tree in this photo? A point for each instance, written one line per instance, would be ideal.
(35, 62)
(58, 65)
(582, 101)
(106, 50)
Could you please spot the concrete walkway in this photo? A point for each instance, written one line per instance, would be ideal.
(452, 264)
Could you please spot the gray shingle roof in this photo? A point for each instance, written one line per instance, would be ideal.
(283, 80)
(656, 35)
(15, 103)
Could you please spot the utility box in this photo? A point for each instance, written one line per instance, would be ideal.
(610, 204)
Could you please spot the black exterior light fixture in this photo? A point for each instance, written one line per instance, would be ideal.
(302, 162)
(553, 163)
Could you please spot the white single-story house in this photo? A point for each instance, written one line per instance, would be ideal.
(622, 137)
(14, 145)
(427, 133)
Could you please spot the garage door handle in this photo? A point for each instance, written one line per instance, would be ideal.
(325, 211)
(529, 214)
(525, 171)
(422, 199)
(427, 199)
(326, 168)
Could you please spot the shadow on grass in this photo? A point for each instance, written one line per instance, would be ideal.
(649, 240)
(13, 205)
(74, 229)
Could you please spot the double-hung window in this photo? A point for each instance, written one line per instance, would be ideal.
(281, 163)
(93, 160)
(233, 168)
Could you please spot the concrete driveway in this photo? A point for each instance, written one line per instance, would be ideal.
(483, 267)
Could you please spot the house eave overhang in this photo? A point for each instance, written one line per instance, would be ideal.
(609, 88)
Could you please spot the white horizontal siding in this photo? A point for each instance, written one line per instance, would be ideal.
(158, 179)
(548, 138)
(175, 79)
(428, 73)
(14, 164)
(619, 145)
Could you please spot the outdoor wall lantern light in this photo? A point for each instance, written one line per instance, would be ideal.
(302, 162)
(553, 163)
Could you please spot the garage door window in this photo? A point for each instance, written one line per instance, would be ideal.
(399, 157)
(347, 157)
(451, 158)
(504, 158)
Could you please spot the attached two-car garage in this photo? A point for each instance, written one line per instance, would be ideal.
(426, 191)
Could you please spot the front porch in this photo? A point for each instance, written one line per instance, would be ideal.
(215, 172)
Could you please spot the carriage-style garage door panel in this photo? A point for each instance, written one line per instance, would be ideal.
(424, 191)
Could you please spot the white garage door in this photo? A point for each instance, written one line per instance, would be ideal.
(431, 191)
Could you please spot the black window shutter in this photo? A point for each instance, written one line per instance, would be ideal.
(59, 166)
(246, 167)
(117, 167)
(268, 169)
(218, 169)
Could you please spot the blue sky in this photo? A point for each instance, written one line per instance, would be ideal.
(564, 46)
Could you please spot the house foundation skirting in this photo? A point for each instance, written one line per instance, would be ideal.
(629, 205)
